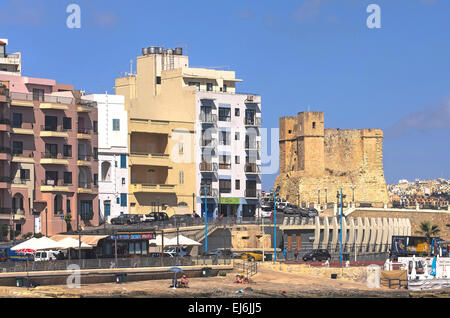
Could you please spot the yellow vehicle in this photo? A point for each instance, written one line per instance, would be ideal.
(254, 256)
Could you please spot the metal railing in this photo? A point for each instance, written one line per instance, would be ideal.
(52, 182)
(85, 102)
(225, 166)
(5, 121)
(252, 193)
(208, 166)
(208, 142)
(252, 168)
(4, 91)
(52, 155)
(256, 145)
(54, 128)
(5, 150)
(42, 98)
(209, 192)
(85, 131)
(256, 121)
(208, 118)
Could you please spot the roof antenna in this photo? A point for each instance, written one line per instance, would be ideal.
(131, 67)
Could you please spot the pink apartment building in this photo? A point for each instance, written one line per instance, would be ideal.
(48, 156)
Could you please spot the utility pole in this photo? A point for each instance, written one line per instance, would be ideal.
(206, 219)
(340, 196)
(275, 221)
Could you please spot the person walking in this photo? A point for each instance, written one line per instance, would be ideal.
(296, 254)
(285, 254)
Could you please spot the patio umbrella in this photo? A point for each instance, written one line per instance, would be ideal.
(43, 243)
(175, 270)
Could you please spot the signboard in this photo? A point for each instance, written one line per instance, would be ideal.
(229, 201)
(145, 236)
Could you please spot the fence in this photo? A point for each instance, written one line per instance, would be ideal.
(104, 263)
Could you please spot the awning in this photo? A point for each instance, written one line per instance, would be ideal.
(88, 239)
(43, 243)
(182, 240)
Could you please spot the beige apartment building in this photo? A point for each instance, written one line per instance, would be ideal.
(163, 100)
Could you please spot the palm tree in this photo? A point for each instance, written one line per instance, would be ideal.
(428, 231)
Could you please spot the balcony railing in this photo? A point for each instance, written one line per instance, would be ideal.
(252, 193)
(256, 121)
(4, 91)
(54, 128)
(208, 166)
(58, 155)
(85, 131)
(212, 143)
(84, 185)
(19, 181)
(5, 210)
(252, 168)
(22, 125)
(214, 193)
(5, 179)
(55, 182)
(87, 103)
(208, 118)
(225, 166)
(85, 157)
(256, 145)
(5, 121)
(42, 98)
(23, 153)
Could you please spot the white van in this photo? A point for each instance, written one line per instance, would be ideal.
(42, 256)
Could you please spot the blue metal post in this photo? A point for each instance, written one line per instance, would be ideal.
(275, 223)
(341, 229)
(206, 220)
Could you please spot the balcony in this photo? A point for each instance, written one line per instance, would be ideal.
(86, 188)
(252, 168)
(19, 183)
(208, 143)
(84, 133)
(225, 166)
(4, 93)
(149, 126)
(5, 125)
(255, 145)
(149, 159)
(24, 156)
(206, 118)
(208, 167)
(252, 122)
(48, 158)
(22, 99)
(54, 131)
(84, 160)
(152, 188)
(5, 182)
(23, 129)
(252, 193)
(5, 153)
(85, 106)
(210, 193)
(52, 185)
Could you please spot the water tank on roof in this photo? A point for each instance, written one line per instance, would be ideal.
(151, 50)
(178, 51)
(169, 51)
(145, 51)
(159, 50)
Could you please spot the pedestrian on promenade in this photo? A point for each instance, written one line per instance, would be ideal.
(285, 254)
(296, 254)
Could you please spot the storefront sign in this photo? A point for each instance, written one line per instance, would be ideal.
(229, 201)
(147, 236)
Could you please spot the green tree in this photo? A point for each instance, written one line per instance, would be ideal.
(27, 235)
(68, 219)
(4, 230)
(38, 235)
(428, 230)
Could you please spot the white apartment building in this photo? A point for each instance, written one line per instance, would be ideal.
(112, 155)
(10, 64)
(228, 153)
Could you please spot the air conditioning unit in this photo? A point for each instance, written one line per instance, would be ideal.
(250, 98)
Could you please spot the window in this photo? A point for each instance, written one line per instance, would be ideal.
(95, 179)
(118, 200)
(158, 79)
(24, 174)
(51, 150)
(95, 126)
(180, 148)
(237, 112)
(209, 87)
(67, 177)
(87, 212)
(95, 153)
(224, 138)
(17, 147)
(196, 84)
(116, 124)
(123, 161)
(236, 160)
(17, 120)
(236, 136)
(123, 180)
(181, 177)
(224, 186)
(225, 88)
(224, 114)
(224, 162)
(67, 123)
(123, 199)
(68, 206)
(67, 151)
(237, 184)
(314, 124)
(115, 163)
(51, 123)
(38, 94)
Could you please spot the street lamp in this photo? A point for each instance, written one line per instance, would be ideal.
(318, 196)
(326, 195)
(275, 221)
(340, 196)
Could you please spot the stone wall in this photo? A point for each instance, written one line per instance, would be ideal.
(313, 158)
(441, 219)
(249, 237)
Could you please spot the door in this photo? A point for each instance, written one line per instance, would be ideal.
(107, 208)
(289, 243)
(299, 242)
(37, 224)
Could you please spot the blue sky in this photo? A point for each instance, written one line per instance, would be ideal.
(316, 53)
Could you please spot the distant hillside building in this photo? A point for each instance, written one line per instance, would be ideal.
(316, 162)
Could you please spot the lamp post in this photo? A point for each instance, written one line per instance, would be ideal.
(353, 196)
(275, 221)
(326, 196)
(318, 196)
(193, 203)
(340, 196)
(206, 220)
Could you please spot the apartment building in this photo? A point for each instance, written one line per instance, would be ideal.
(189, 130)
(9, 63)
(48, 156)
(112, 155)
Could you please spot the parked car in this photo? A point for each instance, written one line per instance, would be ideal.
(317, 255)
(255, 256)
(42, 256)
(291, 209)
(126, 219)
(174, 251)
(221, 253)
(158, 255)
(180, 218)
(281, 206)
(159, 216)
